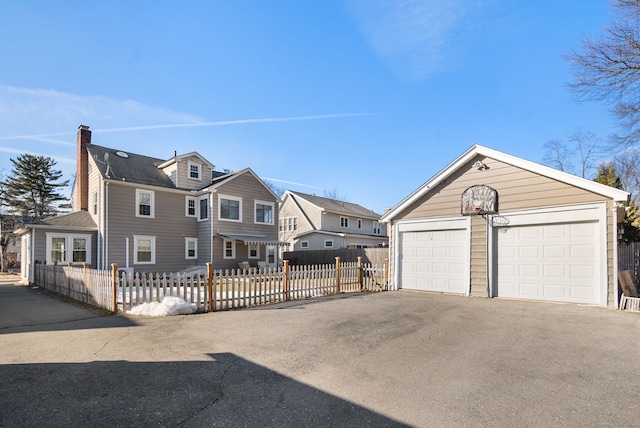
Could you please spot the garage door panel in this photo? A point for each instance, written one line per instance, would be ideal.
(434, 260)
(558, 262)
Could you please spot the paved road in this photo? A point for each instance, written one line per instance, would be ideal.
(389, 359)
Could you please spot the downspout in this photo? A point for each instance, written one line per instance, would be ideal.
(32, 256)
(106, 224)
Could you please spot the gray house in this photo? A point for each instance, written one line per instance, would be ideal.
(310, 222)
(156, 215)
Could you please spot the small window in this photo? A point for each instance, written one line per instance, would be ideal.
(190, 248)
(203, 211)
(376, 228)
(144, 203)
(304, 244)
(144, 250)
(230, 208)
(79, 250)
(328, 243)
(264, 212)
(229, 249)
(344, 221)
(190, 210)
(195, 170)
(254, 251)
(359, 223)
(95, 203)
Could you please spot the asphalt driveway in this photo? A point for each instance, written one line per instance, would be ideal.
(387, 359)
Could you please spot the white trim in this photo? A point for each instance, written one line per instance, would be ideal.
(152, 198)
(230, 198)
(256, 247)
(152, 240)
(199, 204)
(326, 241)
(596, 212)
(344, 224)
(477, 150)
(191, 163)
(453, 223)
(68, 246)
(302, 244)
(195, 206)
(255, 213)
(187, 241)
(233, 249)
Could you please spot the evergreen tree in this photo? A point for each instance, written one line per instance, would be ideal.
(32, 189)
(631, 222)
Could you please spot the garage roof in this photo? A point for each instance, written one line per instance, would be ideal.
(616, 194)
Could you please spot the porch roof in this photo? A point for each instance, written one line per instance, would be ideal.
(260, 240)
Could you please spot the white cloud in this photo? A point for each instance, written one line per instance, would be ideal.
(411, 36)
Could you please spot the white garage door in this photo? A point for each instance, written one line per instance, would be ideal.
(555, 262)
(434, 261)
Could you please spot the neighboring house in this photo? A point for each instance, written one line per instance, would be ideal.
(10, 256)
(156, 215)
(491, 224)
(309, 222)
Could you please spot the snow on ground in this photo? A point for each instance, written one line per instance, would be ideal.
(169, 306)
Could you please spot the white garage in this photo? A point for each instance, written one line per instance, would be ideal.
(558, 261)
(435, 256)
(493, 225)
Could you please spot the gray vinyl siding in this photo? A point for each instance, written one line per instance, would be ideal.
(184, 182)
(517, 189)
(169, 226)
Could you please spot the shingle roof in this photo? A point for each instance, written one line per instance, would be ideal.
(133, 168)
(77, 219)
(335, 206)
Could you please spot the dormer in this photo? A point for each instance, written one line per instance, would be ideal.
(189, 171)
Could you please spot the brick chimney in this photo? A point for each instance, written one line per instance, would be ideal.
(82, 168)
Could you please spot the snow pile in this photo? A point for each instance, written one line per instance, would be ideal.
(169, 306)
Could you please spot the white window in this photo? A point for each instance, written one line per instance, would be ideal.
(328, 243)
(344, 221)
(254, 251)
(195, 171)
(144, 250)
(376, 228)
(359, 223)
(229, 208)
(203, 208)
(229, 249)
(190, 210)
(145, 203)
(95, 203)
(71, 248)
(288, 224)
(190, 248)
(304, 244)
(264, 212)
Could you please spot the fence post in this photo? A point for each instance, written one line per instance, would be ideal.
(386, 274)
(338, 274)
(211, 302)
(360, 279)
(68, 275)
(285, 267)
(114, 288)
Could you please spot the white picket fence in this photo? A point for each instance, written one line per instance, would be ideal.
(213, 290)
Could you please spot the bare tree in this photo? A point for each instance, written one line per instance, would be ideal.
(558, 155)
(607, 68)
(587, 146)
(333, 194)
(627, 164)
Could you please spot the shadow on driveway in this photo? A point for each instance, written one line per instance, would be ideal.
(227, 391)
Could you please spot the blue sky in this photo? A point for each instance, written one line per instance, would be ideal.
(367, 98)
